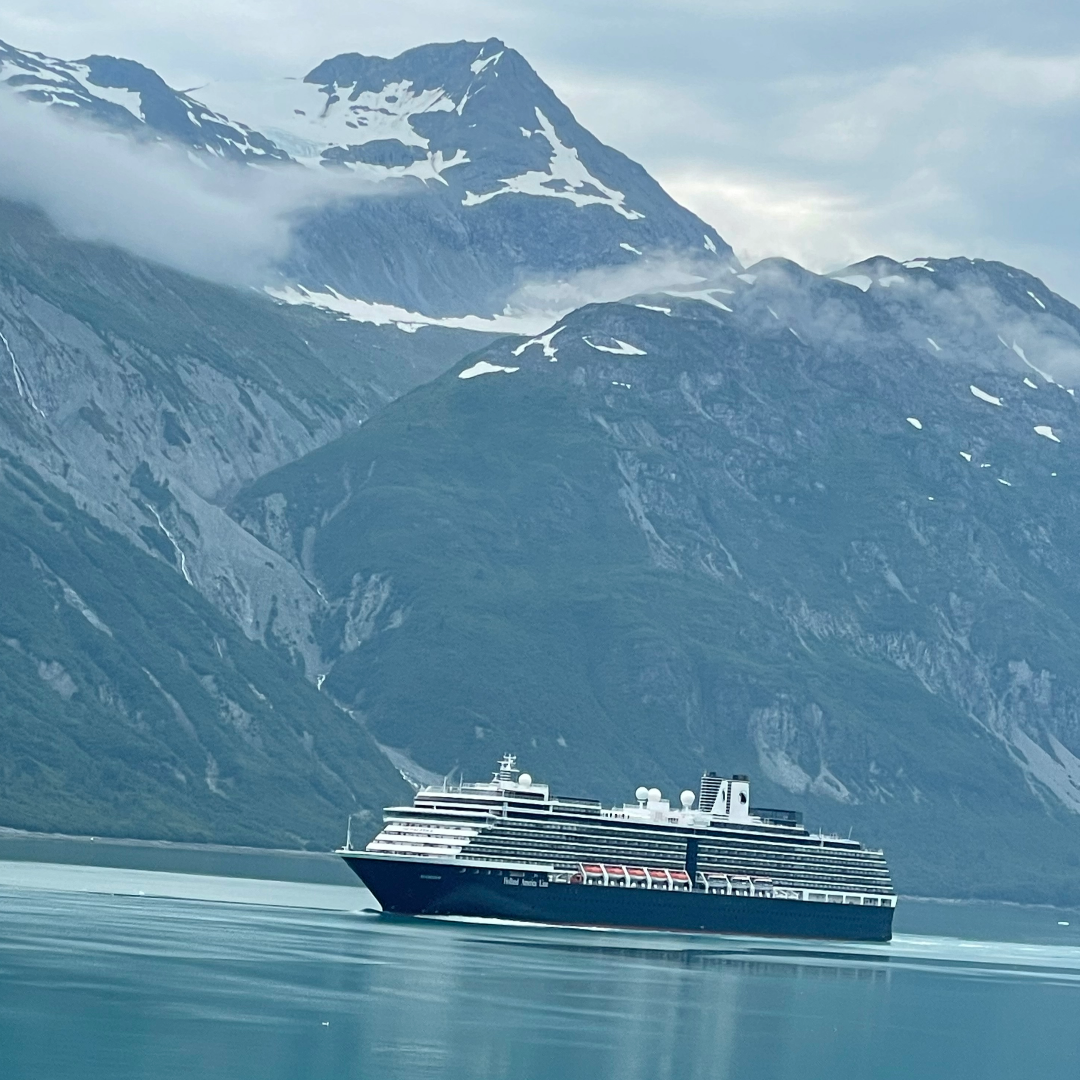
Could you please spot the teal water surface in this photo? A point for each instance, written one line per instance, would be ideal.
(222, 978)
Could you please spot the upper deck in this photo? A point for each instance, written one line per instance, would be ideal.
(723, 803)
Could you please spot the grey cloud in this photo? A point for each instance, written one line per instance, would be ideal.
(555, 297)
(824, 131)
(212, 219)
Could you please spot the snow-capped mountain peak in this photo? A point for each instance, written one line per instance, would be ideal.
(486, 164)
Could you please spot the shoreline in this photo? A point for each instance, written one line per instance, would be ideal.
(216, 860)
(263, 864)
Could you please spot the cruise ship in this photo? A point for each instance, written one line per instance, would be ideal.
(509, 849)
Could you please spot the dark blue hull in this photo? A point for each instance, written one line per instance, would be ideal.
(424, 887)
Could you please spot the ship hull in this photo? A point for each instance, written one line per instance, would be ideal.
(426, 887)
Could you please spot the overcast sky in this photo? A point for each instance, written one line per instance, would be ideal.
(823, 130)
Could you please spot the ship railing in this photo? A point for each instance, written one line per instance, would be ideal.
(627, 877)
(741, 885)
(820, 897)
(716, 883)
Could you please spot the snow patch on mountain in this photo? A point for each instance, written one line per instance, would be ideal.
(860, 281)
(126, 99)
(705, 296)
(982, 395)
(482, 61)
(47, 81)
(306, 120)
(566, 178)
(617, 347)
(409, 321)
(550, 351)
(484, 367)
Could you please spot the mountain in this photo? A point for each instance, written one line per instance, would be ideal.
(135, 401)
(460, 176)
(817, 529)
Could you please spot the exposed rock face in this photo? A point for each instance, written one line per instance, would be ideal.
(152, 397)
(805, 527)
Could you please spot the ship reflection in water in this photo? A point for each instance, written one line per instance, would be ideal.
(94, 985)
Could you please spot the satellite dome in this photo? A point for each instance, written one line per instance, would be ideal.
(654, 794)
(642, 793)
(687, 799)
(524, 780)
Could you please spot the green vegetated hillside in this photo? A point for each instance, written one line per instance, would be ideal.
(130, 707)
(705, 533)
(145, 398)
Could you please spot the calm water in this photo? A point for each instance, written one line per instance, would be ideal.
(225, 978)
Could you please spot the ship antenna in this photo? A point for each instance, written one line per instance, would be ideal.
(507, 768)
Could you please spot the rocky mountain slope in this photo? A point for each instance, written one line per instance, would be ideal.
(462, 177)
(134, 401)
(816, 529)
(151, 397)
(130, 707)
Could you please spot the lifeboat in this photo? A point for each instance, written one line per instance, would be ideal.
(659, 879)
(616, 875)
(716, 883)
(637, 876)
(680, 879)
(593, 873)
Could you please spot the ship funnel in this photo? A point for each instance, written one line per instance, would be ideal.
(710, 788)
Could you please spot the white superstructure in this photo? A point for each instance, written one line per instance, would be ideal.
(720, 845)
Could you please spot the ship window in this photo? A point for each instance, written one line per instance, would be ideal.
(742, 796)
